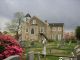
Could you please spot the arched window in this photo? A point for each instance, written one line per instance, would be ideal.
(32, 31)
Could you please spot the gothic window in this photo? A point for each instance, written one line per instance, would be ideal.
(32, 31)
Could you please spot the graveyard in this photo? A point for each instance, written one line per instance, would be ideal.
(54, 50)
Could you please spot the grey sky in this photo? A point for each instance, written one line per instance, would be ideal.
(65, 11)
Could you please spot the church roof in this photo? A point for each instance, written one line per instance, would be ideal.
(56, 24)
(35, 17)
(28, 15)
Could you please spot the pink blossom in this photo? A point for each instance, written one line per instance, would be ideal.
(12, 47)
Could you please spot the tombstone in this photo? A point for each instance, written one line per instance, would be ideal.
(38, 56)
(31, 55)
(73, 58)
(78, 57)
(77, 50)
(15, 57)
(44, 51)
(60, 58)
(65, 58)
(44, 47)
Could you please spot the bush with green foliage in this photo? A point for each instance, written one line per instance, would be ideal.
(2, 48)
(77, 31)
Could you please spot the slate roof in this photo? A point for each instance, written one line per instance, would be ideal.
(56, 24)
(28, 15)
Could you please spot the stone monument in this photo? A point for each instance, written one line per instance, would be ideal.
(44, 47)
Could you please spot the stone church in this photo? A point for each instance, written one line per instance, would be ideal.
(33, 26)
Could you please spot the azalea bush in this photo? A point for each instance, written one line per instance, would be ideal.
(9, 46)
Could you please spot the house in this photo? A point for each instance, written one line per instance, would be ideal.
(33, 26)
(69, 36)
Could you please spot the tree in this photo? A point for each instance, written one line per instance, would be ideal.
(15, 23)
(78, 32)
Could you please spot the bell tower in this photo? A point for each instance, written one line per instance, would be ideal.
(28, 16)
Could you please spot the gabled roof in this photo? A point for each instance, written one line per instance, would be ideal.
(56, 24)
(34, 17)
(28, 15)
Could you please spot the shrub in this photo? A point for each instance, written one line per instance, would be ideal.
(9, 46)
(2, 48)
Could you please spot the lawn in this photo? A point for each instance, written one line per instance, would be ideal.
(53, 49)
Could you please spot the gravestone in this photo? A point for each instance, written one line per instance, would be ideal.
(38, 56)
(77, 50)
(60, 58)
(31, 55)
(78, 57)
(67, 58)
(14, 57)
(73, 58)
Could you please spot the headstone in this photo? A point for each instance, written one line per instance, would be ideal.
(74, 58)
(15, 57)
(31, 55)
(73, 54)
(78, 57)
(39, 56)
(44, 50)
(60, 58)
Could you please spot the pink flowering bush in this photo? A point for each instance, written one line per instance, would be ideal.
(9, 46)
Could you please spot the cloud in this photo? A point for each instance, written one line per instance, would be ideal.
(66, 11)
(3, 22)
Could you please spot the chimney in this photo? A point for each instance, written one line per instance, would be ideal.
(46, 22)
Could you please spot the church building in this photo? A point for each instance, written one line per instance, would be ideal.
(33, 26)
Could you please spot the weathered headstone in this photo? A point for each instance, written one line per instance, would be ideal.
(77, 50)
(78, 57)
(38, 56)
(73, 58)
(60, 58)
(15, 57)
(31, 55)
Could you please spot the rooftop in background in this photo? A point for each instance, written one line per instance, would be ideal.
(56, 24)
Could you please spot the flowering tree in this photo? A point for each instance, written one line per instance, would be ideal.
(9, 46)
(14, 25)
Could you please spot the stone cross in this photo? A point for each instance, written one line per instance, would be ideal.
(39, 56)
(44, 47)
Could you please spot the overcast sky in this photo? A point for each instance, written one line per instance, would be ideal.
(56, 11)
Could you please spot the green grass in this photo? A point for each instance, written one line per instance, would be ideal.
(53, 51)
(48, 57)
